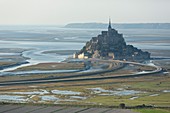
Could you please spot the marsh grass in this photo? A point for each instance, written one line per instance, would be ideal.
(152, 110)
(53, 66)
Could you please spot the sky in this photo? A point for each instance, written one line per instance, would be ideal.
(61, 12)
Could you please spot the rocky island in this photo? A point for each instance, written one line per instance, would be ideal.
(111, 45)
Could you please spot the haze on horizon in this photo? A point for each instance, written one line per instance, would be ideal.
(60, 12)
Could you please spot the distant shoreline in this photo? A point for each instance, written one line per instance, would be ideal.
(120, 25)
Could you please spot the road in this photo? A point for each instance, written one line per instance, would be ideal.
(86, 76)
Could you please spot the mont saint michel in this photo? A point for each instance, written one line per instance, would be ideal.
(111, 44)
(67, 56)
(39, 69)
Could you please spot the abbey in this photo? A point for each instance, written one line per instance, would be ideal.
(111, 45)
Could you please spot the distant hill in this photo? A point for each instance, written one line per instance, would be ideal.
(120, 26)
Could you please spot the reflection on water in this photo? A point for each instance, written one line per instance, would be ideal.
(65, 92)
(104, 92)
(12, 98)
(49, 98)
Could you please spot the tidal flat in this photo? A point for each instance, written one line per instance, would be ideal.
(46, 49)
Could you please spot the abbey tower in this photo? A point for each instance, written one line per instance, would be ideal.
(111, 44)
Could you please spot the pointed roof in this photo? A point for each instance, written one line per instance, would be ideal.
(109, 23)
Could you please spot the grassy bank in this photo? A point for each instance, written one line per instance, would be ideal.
(53, 66)
(152, 110)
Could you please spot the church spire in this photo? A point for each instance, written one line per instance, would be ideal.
(109, 27)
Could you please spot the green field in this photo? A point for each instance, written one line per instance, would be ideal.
(150, 90)
(152, 110)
